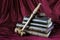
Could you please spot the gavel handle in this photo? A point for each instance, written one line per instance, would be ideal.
(34, 12)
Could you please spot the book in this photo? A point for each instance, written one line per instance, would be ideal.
(45, 30)
(37, 22)
(38, 33)
(41, 19)
(38, 25)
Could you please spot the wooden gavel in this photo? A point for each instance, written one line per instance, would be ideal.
(21, 31)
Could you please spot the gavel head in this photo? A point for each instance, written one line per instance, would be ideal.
(19, 31)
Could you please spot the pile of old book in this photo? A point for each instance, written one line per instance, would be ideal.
(41, 26)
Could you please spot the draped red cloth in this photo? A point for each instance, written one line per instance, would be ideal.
(13, 11)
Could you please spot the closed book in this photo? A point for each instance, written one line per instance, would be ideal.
(45, 30)
(37, 22)
(38, 25)
(41, 19)
(38, 33)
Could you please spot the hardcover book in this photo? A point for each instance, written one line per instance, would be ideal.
(45, 30)
(38, 25)
(38, 33)
(41, 19)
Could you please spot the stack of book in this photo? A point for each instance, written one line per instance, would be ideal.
(41, 26)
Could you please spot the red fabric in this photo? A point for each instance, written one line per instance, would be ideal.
(13, 11)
